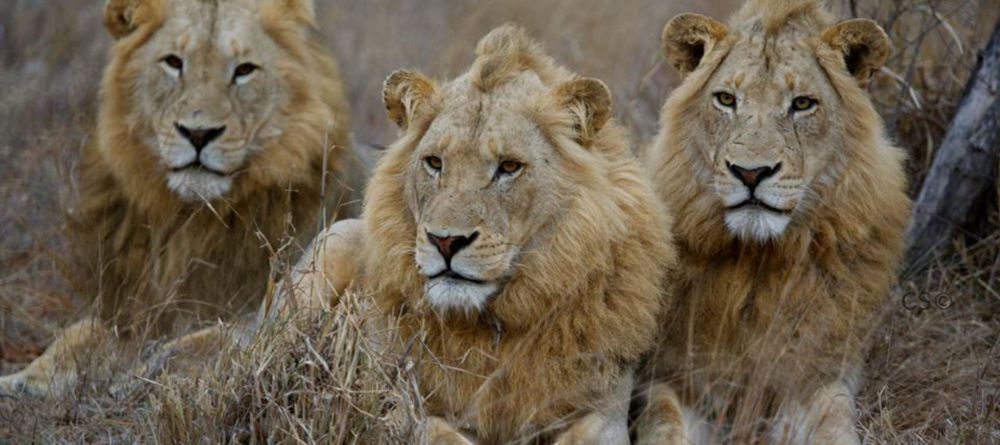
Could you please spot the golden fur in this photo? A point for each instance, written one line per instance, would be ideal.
(775, 304)
(567, 251)
(159, 239)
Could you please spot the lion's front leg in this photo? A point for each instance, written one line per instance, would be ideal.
(826, 418)
(440, 432)
(608, 425)
(183, 354)
(55, 371)
(665, 421)
(596, 428)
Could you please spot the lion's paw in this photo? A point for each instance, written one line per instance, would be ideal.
(25, 383)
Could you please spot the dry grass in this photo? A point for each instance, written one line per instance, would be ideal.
(933, 374)
(315, 378)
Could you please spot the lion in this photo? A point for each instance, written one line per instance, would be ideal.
(222, 136)
(790, 209)
(512, 234)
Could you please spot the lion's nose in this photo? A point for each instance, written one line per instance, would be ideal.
(449, 246)
(200, 137)
(752, 177)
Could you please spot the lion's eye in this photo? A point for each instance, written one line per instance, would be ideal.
(803, 103)
(434, 163)
(509, 167)
(243, 70)
(174, 62)
(725, 99)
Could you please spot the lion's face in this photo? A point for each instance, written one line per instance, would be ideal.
(490, 174)
(483, 187)
(208, 83)
(770, 134)
(767, 124)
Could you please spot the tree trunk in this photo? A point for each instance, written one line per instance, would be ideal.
(965, 167)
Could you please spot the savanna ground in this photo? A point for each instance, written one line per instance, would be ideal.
(933, 375)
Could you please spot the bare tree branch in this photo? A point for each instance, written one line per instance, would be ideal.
(965, 168)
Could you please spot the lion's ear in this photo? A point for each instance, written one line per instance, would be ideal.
(688, 37)
(121, 17)
(407, 95)
(589, 102)
(863, 43)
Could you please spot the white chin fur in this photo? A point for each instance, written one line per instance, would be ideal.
(447, 294)
(756, 224)
(195, 185)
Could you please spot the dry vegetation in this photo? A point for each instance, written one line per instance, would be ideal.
(933, 373)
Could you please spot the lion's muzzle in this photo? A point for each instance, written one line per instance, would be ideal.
(462, 268)
(751, 177)
(199, 137)
(448, 246)
(757, 204)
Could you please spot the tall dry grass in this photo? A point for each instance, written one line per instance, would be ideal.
(933, 371)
